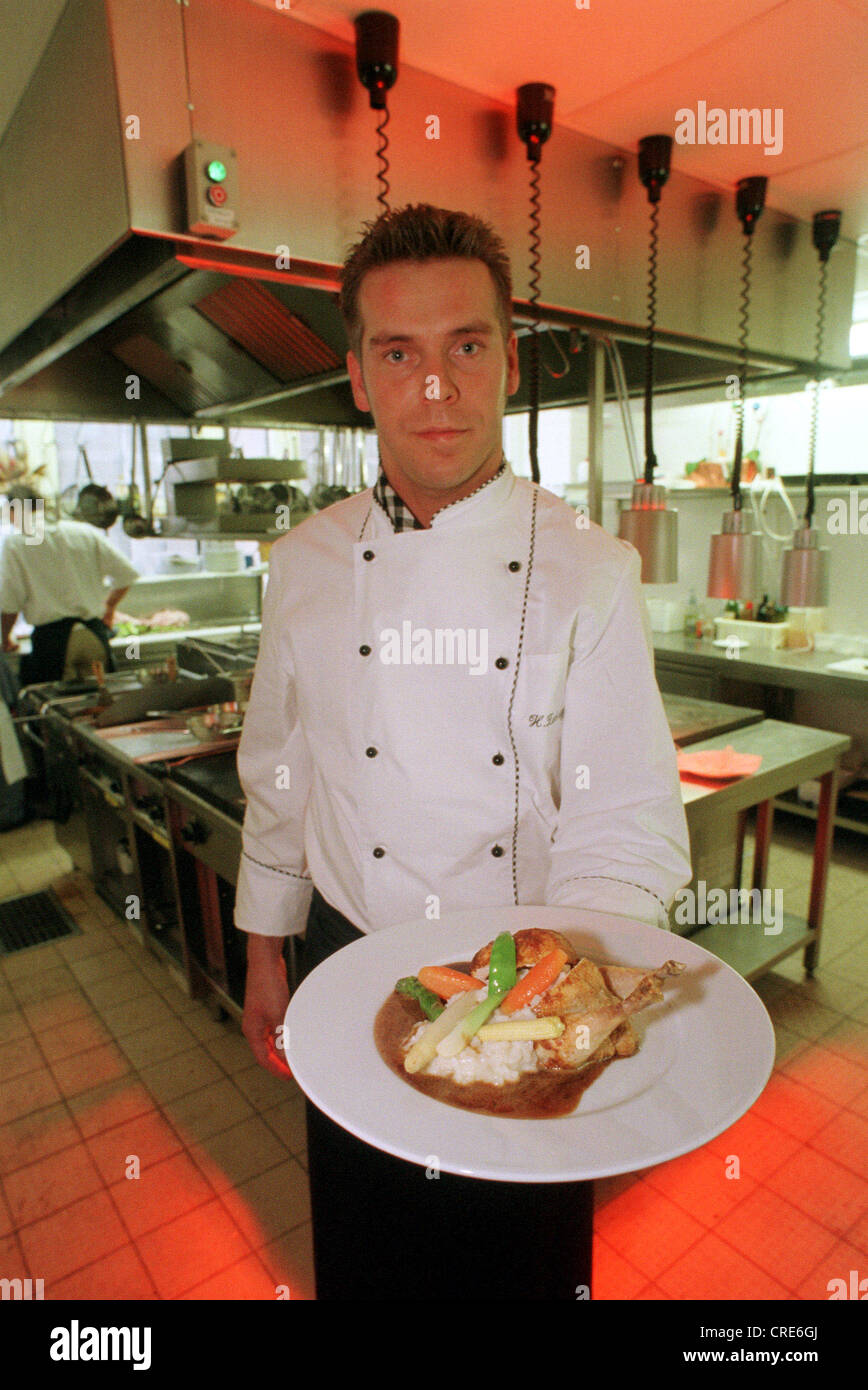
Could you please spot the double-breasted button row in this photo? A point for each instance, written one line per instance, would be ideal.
(498, 759)
(373, 752)
(501, 663)
(497, 850)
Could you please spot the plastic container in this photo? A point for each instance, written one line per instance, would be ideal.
(807, 619)
(845, 643)
(666, 614)
(221, 557)
(769, 635)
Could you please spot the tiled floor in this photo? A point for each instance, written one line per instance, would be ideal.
(144, 1155)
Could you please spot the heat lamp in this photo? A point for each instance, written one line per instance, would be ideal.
(377, 67)
(805, 566)
(647, 523)
(736, 552)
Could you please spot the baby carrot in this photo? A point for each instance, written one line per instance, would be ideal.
(536, 981)
(440, 979)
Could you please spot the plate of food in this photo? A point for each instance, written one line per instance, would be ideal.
(529, 1044)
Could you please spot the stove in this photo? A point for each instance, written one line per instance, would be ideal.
(215, 780)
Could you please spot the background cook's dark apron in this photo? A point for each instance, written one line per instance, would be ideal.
(46, 660)
(382, 1229)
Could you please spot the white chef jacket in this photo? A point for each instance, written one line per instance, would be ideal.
(404, 786)
(61, 576)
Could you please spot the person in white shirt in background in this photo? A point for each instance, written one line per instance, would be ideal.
(454, 703)
(56, 578)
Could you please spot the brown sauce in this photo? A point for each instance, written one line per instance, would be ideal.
(535, 1096)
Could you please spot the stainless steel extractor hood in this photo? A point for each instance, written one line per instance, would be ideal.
(146, 334)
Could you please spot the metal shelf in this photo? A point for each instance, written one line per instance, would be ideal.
(746, 948)
(799, 808)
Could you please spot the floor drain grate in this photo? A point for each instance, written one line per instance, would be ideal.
(33, 920)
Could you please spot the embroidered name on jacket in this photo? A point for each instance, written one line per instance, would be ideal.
(542, 721)
(439, 646)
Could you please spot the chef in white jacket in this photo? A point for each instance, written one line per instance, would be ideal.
(454, 703)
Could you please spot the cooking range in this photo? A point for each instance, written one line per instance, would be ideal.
(150, 810)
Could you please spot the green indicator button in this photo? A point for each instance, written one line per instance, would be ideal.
(216, 170)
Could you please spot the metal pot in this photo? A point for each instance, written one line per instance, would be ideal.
(216, 722)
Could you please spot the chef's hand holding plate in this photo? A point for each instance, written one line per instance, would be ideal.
(266, 998)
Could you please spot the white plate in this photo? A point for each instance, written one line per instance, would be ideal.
(705, 1055)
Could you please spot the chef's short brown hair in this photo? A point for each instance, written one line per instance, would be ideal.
(420, 232)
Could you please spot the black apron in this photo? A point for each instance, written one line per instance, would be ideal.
(384, 1231)
(47, 658)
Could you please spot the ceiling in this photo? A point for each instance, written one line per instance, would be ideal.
(622, 69)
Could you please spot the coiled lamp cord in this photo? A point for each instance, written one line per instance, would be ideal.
(533, 297)
(744, 303)
(383, 195)
(650, 457)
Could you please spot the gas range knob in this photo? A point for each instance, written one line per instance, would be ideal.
(194, 832)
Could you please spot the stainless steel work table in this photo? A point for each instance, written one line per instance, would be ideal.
(790, 754)
(793, 670)
(691, 720)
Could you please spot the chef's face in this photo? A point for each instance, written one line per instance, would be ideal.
(434, 371)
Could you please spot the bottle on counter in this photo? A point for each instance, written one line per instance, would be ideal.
(765, 612)
(691, 615)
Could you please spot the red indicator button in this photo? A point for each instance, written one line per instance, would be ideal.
(217, 195)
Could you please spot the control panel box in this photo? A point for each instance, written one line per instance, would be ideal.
(211, 182)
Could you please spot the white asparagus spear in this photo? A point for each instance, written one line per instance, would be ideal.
(425, 1046)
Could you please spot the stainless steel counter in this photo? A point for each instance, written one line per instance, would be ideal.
(794, 670)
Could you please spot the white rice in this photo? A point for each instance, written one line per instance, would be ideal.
(494, 1062)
